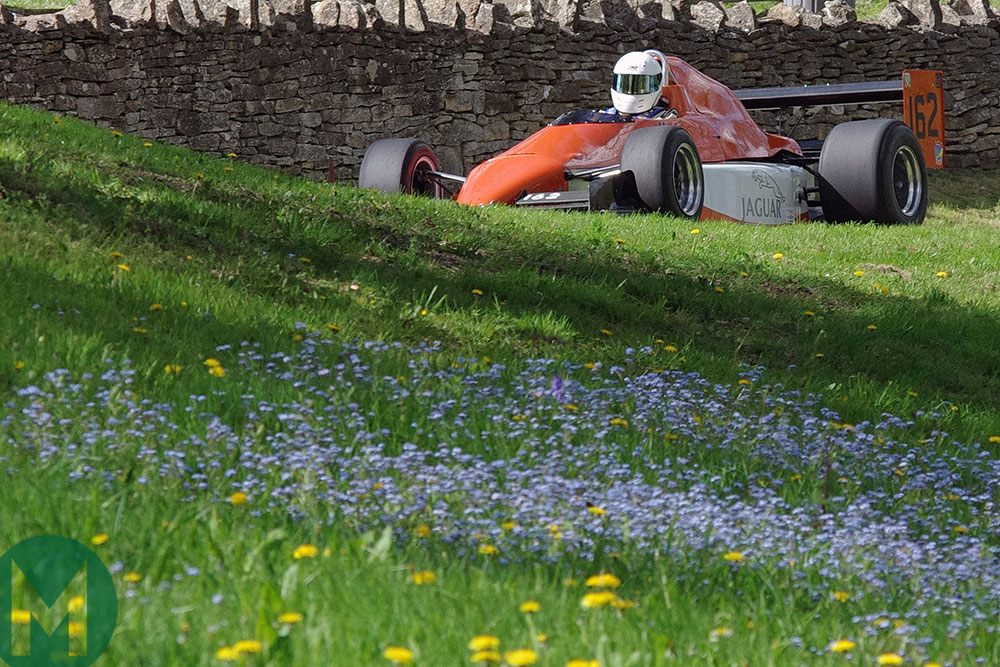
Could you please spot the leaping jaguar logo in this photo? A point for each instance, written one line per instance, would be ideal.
(766, 182)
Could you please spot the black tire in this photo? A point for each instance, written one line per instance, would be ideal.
(667, 170)
(400, 165)
(873, 170)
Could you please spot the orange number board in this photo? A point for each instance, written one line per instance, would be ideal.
(923, 112)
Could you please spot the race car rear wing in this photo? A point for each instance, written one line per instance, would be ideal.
(921, 91)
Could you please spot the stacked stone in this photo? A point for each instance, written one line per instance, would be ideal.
(291, 84)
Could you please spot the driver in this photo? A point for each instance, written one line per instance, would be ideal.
(637, 85)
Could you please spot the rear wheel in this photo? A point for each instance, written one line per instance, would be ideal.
(400, 165)
(873, 170)
(667, 170)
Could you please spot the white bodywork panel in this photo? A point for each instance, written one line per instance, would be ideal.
(760, 192)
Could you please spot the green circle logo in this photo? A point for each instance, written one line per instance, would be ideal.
(58, 604)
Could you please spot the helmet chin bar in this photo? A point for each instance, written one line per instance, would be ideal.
(632, 104)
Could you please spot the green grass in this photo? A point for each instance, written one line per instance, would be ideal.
(112, 248)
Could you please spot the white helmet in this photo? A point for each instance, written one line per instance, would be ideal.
(638, 81)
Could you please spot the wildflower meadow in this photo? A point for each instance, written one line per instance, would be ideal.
(303, 424)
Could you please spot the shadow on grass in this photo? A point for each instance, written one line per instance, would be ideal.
(932, 346)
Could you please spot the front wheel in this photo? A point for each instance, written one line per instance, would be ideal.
(400, 165)
(873, 170)
(667, 170)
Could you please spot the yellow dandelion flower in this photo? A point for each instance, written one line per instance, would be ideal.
(597, 599)
(961, 530)
(156, 306)
(238, 498)
(841, 596)
(248, 646)
(99, 539)
(744, 382)
(58, 120)
(841, 646)
(859, 273)
(75, 604)
(508, 525)
(995, 438)
(18, 365)
(719, 289)
(596, 511)
(734, 556)
(618, 603)
(398, 655)
(123, 267)
(530, 607)
(305, 551)
(485, 656)
(227, 653)
(819, 355)
(488, 550)
(744, 274)
(603, 580)
(872, 327)
(298, 338)
(423, 530)
(778, 255)
(172, 369)
(889, 659)
(423, 577)
(304, 260)
(570, 406)
(484, 643)
(477, 292)
(230, 154)
(939, 274)
(227, 169)
(720, 632)
(618, 421)
(212, 362)
(541, 638)
(217, 371)
(333, 327)
(932, 664)
(147, 144)
(132, 577)
(290, 618)
(620, 241)
(606, 332)
(116, 133)
(583, 663)
(520, 657)
(670, 348)
(139, 329)
(696, 231)
(809, 313)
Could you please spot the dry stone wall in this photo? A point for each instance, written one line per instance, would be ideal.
(291, 84)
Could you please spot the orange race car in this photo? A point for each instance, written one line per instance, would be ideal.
(679, 142)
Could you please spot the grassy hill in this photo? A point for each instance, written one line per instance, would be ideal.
(184, 340)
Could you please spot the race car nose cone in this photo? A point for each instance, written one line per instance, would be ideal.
(503, 179)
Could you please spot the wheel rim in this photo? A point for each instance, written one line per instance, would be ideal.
(420, 181)
(687, 180)
(907, 185)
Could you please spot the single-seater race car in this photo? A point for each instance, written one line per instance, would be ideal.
(678, 142)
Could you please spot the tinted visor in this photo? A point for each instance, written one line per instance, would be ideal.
(636, 84)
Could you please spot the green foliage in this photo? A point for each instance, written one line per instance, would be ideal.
(111, 247)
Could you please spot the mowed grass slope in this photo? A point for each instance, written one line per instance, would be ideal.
(228, 251)
(241, 430)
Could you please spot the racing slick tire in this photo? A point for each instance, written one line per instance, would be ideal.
(873, 170)
(667, 170)
(400, 165)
